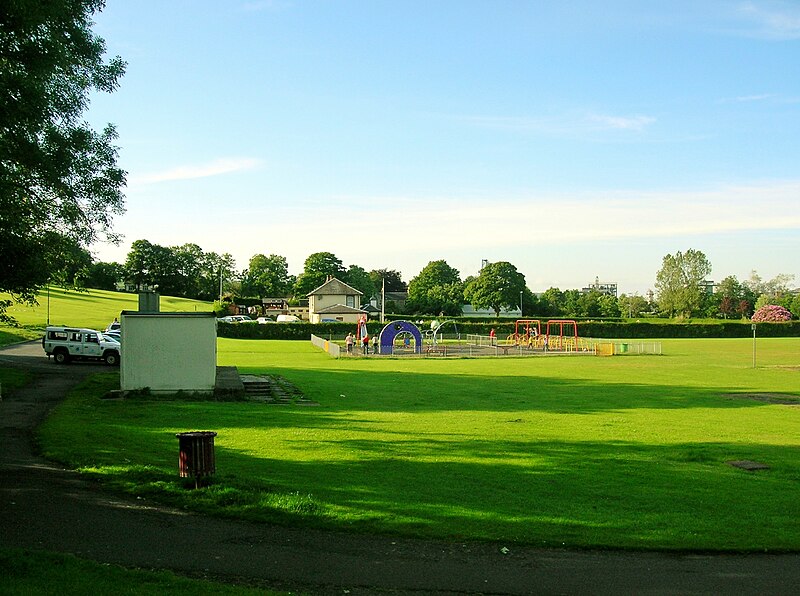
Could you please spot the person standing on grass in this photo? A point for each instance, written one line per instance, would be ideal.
(492, 336)
(374, 344)
(365, 344)
(348, 341)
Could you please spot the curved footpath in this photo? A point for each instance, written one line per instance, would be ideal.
(43, 506)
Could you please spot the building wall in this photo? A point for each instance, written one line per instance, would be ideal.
(319, 302)
(168, 352)
(342, 317)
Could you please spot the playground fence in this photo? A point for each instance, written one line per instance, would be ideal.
(616, 347)
(481, 340)
(474, 345)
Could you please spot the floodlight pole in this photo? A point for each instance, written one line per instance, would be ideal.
(753, 327)
(520, 303)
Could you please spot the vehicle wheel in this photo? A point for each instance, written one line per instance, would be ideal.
(61, 357)
(111, 358)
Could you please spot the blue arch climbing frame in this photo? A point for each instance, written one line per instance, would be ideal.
(395, 328)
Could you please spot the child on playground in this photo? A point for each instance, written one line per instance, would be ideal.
(348, 341)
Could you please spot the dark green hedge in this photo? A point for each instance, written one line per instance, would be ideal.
(725, 329)
(596, 329)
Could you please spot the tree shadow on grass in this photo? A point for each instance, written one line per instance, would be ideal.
(356, 471)
(392, 391)
(535, 490)
(614, 494)
(590, 494)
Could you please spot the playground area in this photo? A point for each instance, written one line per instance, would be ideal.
(442, 340)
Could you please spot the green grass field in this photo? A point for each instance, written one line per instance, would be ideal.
(26, 572)
(93, 309)
(622, 452)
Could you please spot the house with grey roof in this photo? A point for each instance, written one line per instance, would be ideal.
(335, 300)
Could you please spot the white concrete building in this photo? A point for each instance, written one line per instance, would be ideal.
(168, 351)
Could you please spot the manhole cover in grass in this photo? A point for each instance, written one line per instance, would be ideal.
(746, 464)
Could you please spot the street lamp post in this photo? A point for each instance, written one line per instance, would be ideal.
(520, 304)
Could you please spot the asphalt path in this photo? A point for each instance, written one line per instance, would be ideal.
(44, 506)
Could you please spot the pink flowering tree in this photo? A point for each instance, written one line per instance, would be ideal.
(771, 313)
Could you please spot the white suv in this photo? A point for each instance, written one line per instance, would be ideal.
(66, 343)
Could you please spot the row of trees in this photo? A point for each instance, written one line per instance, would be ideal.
(681, 286)
(190, 272)
(682, 290)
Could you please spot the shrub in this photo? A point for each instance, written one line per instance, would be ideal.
(771, 313)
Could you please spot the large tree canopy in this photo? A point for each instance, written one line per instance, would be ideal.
(267, 276)
(387, 280)
(178, 270)
(498, 286)
(679, 282)
(358, 278)
(58, 177)
(316, 269)
(437, 289)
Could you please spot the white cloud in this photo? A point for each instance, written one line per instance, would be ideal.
(190, 172)
(634, 123)
(748, 98)
(564, 124)
(446, 225)
(773, 20)
(533, 231)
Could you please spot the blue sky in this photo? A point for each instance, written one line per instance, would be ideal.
(575, 140)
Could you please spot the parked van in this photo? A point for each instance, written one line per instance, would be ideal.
(287, 319)
(66, 343)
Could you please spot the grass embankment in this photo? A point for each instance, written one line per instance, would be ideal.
(11, 378)
(15, 335)
(93, 308)
(623, 452)
(27, 572)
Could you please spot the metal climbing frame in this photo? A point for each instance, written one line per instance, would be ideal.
(560, 341)
(526, 332)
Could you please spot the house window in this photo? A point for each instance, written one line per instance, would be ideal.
(351, 301)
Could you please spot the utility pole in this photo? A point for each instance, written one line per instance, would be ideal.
(383, 299)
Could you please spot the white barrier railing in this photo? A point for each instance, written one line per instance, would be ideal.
(331, 347)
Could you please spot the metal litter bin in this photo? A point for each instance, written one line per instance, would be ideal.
(196, 455)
